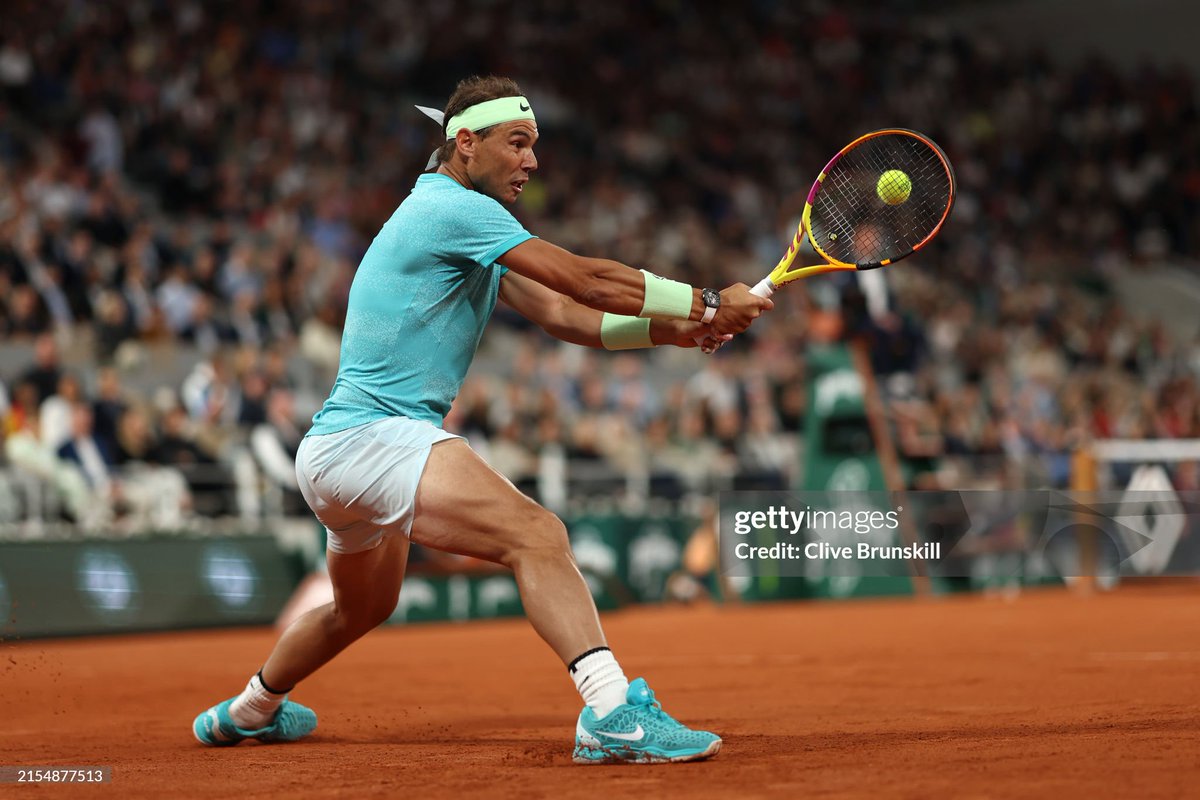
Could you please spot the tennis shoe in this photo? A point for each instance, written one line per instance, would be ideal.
(216, 727)
(639, 732)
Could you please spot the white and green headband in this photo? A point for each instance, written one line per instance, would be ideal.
(482, 115)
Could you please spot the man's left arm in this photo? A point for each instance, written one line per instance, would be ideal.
(565, 319)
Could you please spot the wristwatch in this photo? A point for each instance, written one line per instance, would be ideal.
(712, 301)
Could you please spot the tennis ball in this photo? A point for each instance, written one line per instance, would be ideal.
(894, 187)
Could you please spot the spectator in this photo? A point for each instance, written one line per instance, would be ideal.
(252, 400)
(22, 412)
(108, 406)
(45, 372)
(274, 443)
(114, 326)
(209, 482)
(57, 413)
(93, 459)
(135, 440)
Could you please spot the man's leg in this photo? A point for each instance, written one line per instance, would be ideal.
(464, 506)
(366, 586)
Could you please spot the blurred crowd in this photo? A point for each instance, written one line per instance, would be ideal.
(205, 176)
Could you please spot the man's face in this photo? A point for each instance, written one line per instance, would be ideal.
(503, 160)
(81, 420)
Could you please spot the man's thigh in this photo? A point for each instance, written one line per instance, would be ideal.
(362, 483)
(367, 584)
(464, 506)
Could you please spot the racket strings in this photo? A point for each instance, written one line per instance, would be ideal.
(852, 219)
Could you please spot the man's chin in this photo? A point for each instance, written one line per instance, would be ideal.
(507, 195)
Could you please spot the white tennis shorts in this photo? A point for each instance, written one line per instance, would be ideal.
(362, 482)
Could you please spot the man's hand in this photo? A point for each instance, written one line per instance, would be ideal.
(738, 309)
(684, 334)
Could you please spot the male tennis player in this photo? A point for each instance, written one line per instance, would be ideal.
(379, 471)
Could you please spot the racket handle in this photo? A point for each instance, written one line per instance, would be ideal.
(763, 288)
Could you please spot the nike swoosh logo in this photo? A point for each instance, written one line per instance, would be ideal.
(523, 106)
(637, 734)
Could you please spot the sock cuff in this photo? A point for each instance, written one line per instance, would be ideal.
(268, 688)
(574, 663)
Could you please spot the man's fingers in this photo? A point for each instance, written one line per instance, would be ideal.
(713, 342)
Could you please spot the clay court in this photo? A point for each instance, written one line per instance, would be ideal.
(1048, 694)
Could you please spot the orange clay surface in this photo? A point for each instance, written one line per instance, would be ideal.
(1048, 695)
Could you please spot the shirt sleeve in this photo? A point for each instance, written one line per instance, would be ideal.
(487, 231)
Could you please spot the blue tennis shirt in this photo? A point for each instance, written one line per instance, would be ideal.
(418, 305)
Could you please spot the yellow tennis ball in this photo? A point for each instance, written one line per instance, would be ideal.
(894, 187)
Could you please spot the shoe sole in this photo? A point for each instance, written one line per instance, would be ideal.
(632, 757)
(292, 717)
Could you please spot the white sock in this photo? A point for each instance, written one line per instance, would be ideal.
(600, 681)
(255, 707)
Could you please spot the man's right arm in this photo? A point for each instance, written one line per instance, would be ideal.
(617, 289)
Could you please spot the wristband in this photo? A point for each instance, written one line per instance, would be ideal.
(620, 332)
(666, 298)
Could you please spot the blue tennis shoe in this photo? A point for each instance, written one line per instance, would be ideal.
(217, 729)
(639, 732)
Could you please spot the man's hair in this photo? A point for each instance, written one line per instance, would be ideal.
(472, 91)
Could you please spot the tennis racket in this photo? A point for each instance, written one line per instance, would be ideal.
(882, 198)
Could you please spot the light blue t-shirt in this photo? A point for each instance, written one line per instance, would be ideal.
(418, 305)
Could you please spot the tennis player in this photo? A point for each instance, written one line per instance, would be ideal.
(380, 472)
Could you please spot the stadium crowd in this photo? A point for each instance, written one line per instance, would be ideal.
(203, 177)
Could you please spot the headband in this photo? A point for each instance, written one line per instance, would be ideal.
(482, 115)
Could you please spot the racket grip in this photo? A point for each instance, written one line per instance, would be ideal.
(763, 288)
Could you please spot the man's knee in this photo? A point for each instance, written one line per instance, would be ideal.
(360, 618)
(542, 536)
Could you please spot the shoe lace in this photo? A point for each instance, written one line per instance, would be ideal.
(656, 710)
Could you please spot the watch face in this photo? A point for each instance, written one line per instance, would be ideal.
(711, 298)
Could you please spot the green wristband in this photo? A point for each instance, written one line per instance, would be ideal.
(666, 298)
(619, 332)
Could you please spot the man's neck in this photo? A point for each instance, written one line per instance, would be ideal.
(457, 172)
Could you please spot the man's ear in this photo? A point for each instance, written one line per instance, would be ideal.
(465, 141)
